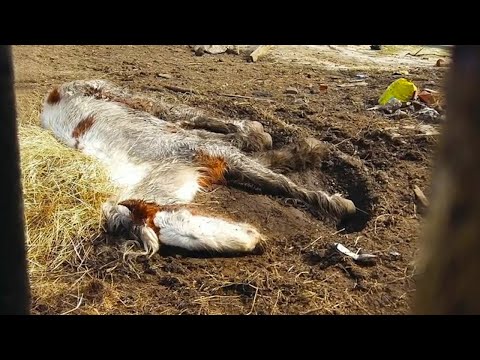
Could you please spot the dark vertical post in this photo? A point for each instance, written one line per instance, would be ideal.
(14, 285)
(450, 283)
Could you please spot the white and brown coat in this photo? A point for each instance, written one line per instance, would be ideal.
(161, 155)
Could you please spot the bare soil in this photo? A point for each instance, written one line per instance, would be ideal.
(297, 273)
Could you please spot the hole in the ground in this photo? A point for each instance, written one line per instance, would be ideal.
(339, 173)
(351, 180)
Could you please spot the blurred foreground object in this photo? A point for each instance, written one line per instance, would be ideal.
(14, 288)
(449, 282)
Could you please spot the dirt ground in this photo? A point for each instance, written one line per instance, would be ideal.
(297, 273)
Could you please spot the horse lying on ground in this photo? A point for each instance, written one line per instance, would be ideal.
(161, 155)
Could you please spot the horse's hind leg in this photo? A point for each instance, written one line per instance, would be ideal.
(242, 169)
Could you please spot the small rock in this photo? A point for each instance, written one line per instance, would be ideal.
(399, 114)
(199, 51)
(376, 47)
(441, 63)
(233, 49)
(323, 87)
(361, 76)
(291, 90)
(165, 76)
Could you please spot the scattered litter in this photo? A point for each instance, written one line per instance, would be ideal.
(409, 107)
(428, 97)
(391, 106)
(415, 109)
(357, 257)
(402, 89)
(429, 114)
(405, 101)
